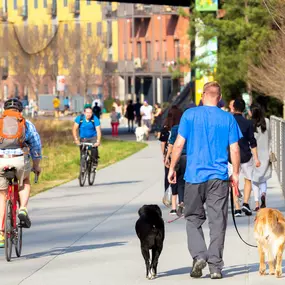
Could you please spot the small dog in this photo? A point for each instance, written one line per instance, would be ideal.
(141, 133)
(269, 232)
(150, 230)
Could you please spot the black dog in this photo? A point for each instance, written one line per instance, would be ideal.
(150, 230)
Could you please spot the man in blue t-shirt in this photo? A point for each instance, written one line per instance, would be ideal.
(209, 133)
(89, 129)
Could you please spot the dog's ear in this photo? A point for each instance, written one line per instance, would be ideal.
(158, 210)
(141, 210)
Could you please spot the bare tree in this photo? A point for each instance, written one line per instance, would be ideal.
(86, 62)
(268, 76)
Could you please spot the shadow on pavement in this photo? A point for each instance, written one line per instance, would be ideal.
(72, 249)
(117, 183)
(230, 271)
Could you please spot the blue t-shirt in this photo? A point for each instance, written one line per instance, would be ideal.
(87, 129)
(208, 131)
(173, 136)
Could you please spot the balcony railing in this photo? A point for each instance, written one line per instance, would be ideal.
(23, 11)
(52, 9)
(108, 13)
(74, 8)
(5, 72)
(3, 15)
(110, 66)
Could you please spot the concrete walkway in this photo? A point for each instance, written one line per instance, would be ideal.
(86, 235)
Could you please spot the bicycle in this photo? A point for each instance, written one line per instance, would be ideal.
(87, 166)
(13, 229)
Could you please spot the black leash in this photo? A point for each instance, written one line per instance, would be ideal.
(233, 214)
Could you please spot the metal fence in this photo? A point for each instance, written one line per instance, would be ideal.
(278, 147)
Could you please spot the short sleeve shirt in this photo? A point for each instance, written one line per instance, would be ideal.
(87, 129)
(209, 131)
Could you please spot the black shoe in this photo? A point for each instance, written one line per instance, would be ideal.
(246, 209)
(23, 216)
(198, 266)
(238, 213)
(216, 275)
(173, 212)
(263, 205)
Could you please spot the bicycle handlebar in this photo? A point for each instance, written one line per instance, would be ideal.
(86, 143)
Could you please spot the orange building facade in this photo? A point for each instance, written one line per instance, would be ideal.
(152, 40)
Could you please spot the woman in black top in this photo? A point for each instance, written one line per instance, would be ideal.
(130, 115)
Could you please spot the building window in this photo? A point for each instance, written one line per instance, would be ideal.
(99, 29)
(176, 49)
(139, 49)
(89, 61)
(36, 4)
(65, 3)
(157, 50)
(45, 3)
(88, 2)
(125, 50)
(16, 91)
(148, 51)
(89, 29)
(46, 91)
(165, 50)
(15, 5)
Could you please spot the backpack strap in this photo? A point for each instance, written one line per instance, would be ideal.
(81, 119)
(93, 121)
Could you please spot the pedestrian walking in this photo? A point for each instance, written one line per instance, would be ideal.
(261, 126)
(146, 113)
(97, 110)
(157, 119)
(178, 187)
(138, 115)
(114, 122)
(209, 132)
(248, 156)
(130, 115)
(56, 105)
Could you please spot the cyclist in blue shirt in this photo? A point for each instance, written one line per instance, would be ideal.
(89, 130)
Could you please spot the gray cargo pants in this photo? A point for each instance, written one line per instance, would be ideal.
(215, 194)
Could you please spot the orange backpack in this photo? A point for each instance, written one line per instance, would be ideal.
(12, 130)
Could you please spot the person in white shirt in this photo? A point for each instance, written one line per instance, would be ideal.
(146, 112)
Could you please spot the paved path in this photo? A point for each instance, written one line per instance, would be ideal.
(86, 235)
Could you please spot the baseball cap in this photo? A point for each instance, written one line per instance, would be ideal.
(87, 106)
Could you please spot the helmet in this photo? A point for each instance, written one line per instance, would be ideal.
(13, 103)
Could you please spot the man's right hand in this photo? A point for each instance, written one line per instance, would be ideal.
(235, 182)
(77, 142)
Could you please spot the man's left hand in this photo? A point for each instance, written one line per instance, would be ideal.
(172, 176)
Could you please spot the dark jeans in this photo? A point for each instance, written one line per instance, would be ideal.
(130, 124)
(179, 187)
(139, 120)
(94, 150)
(215, 194)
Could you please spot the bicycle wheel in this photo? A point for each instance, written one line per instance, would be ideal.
(8, 230)
(91, 173)
(18, 240)
(83, 171)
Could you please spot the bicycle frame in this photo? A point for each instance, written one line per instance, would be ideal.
(13, 196)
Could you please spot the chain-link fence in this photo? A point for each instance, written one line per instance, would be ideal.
(278, 147)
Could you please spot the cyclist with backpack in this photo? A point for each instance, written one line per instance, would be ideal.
(19, 140)
(89, 130)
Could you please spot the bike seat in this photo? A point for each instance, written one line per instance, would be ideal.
(9, 172)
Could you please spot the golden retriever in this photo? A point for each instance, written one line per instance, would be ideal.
(269, 232)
